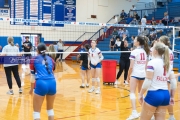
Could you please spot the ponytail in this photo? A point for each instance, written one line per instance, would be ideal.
(165, 40)
(42, 50)
(146, 46)
(10, 41)
(166, 58)
(45, 59)
(143, 41)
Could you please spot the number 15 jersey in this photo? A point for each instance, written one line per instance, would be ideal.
(140, 58)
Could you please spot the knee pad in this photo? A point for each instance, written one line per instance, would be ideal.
(50, 112)
(36, 115)
(93, 79)
(97, 79)
(132, 96)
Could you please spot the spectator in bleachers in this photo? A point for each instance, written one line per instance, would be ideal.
(129, 19)
(131, 11)
(165, 20)
(123, 15)
(115, 33)
(143, 32)
(136, 16)
(104, 31)
(160, 30)
(143, 21)
(132, 42)
(120, 32)
(133, 7)
(134, 21)
(140, 30)
(112, 44)
(146, 32)
(125, 32)
(117, 44)
(153, 22)
(153, 34)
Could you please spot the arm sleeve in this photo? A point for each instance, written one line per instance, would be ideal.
(133, 55)
(150, 67)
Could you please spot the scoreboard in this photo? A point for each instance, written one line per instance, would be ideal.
(54, 10)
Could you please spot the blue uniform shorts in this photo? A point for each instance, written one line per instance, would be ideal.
(83, 68)
(138, 78)
(158, 98)
(97, 66)
(45, 87)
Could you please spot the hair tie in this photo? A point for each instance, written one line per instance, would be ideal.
(43, 51)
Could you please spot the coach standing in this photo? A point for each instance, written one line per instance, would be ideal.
(27, 45)
(60, 46)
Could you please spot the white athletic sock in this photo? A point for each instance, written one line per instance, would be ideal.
(83, 84)
(134, 111)
(171, 116)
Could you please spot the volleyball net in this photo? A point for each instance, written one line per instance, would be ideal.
(77, 34)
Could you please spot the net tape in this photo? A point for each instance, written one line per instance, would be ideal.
(9, 53)
(21, 20)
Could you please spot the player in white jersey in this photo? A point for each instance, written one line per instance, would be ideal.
(165, 40)
(95, 57)
(157, 74)
(138, 61)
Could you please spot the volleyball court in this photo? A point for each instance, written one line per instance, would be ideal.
(95, 66)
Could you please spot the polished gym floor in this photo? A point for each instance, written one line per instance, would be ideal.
(72, 102)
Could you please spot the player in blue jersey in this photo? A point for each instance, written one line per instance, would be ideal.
(42, 67)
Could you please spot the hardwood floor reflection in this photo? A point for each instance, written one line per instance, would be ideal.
(71, 103)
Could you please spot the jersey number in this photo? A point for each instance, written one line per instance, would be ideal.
(164, 71)
(142, 56)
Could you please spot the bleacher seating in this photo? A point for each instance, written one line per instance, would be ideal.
(104, 46)
(173, 9)
(159, 14)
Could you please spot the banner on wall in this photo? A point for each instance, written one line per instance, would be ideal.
(54, 10)
(4, 12)
(70, 2)
(70, 13)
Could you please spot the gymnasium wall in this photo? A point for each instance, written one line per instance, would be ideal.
(103, 9)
